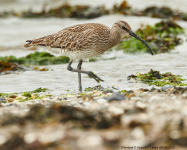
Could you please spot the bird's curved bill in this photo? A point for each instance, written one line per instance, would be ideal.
(137, 37)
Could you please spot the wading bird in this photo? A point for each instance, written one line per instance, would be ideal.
(82, 41)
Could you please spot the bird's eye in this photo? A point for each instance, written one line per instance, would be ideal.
(124, 28)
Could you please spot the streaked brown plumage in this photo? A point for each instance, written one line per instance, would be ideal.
(80, 42)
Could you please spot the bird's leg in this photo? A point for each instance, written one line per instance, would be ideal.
(79, 76)
(89, 73)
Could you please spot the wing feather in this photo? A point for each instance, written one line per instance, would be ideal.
(72, 38)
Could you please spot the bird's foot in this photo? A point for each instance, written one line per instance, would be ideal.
(94, 76)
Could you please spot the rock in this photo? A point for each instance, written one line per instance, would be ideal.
(55, 98)
(21, 97)
(46, 99)
(116, 96)
(10, 100)
(116, 110)
(154, 98)
(73, 102)
(144, 90)
(141, 107)
(136, 98)
(152, 89)
(16, 101)
(166, 87)
(86, 104)
(3, 139)
(3, 100)
(184, 95)
(101, 101)
(174, 134)
(12, 96)
(30, 138)
(90, 141)
(137, 133)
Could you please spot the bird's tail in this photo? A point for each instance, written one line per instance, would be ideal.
(28, 44)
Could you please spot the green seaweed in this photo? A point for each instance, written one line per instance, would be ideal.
(98, 88)
(123, 91)
(155, 78)
(39, 58)
(161, 37)
(26, 94)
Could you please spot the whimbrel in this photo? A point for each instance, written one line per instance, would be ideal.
(82, 41)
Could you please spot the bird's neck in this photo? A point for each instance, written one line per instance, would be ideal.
(115, 37)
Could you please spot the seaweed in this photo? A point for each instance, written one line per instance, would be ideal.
(38, 58)
(162, 37)
(85, 11)
(68, 11)
(156, 78)
(27, 94)
(7, 67)
(98, 88)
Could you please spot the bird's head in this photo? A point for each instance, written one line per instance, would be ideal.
(124, 29)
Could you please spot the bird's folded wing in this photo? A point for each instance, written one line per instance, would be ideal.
(74, 37)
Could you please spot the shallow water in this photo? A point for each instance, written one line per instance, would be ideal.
(111, 70)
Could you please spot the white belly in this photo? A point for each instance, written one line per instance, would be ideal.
(75, 55)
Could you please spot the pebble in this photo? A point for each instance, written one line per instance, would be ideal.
(16, 101)
(141, 105)
(46, 99)
(94, 140)
(174, 134)
(90, 141)
(30, 138)
(29, 103)
(154, 98)
(55, 98)
(74, 102)
(166, 87)
(21, 97)
(116, 96)
(3, 100)
(3, 139)
(136, 98)
(86, 103)
(78, 105)
(10, 100)
(144, 93)
(137, 133)
(13, 96)
(116, 110)
(184, 95)
(101, 101)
